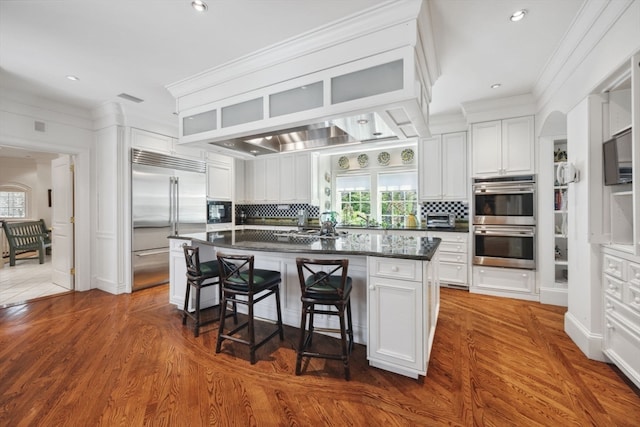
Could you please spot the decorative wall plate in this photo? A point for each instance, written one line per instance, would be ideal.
(343, 162)
(363, 160)
(384, 158)
(407, 155)
(327, 176)
(327, 191)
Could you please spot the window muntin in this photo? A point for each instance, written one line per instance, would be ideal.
(13, 203)
(380, 197)
(397, 196)
(354, 198)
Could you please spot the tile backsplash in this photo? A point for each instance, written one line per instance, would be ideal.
(461, 209)
(282, 210)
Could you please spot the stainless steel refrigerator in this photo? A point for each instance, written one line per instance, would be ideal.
(168, 197)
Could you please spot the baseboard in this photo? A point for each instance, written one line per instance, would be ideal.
(590, 344)
(554, 296)
(504, 294)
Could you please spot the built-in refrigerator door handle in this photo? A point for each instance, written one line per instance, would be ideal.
(177, 204)
(172, 199)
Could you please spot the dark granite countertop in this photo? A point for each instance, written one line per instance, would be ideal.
(461, 226)
(353, 243)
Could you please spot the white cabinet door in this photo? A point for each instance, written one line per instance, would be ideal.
(486, 141)
(287, 178)
(150, 141)
(517, 146)
(177, 271)
(454, 169)
(304, 170)
(259, 181)
(396, 333)
(239, 186)
(220, 181)
(272, 180)
(430, 170)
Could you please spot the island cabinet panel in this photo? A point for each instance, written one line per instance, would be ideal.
(401, 309)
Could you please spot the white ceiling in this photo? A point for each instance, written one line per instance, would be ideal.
(140, 46)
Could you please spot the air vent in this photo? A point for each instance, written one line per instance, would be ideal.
(39, 126)
(130, 98)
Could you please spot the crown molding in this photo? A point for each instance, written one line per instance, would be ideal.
(499, 108)
(381, 16)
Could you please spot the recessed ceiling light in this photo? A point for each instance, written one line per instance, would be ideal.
(518, 15)
(496, 85)
(199, 5)
(254, 151)
(363, 121)
(73, 78)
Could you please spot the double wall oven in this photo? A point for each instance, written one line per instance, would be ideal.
(504, 221)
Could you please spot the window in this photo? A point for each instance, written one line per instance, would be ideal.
(379, 197)
(13, 203)
(398, 196)
(354, 198)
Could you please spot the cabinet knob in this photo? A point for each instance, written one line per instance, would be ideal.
(637, 300)
(611, 266)
(638, 276)
(611, 286)
(609, 306)
(459, 258)
(610, 326)
(394, 268)
(372, 288)
(524, 274)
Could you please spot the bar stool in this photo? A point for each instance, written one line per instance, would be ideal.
(199, 275)
(332, 288)
(241, 283)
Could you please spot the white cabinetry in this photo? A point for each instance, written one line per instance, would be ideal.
(289, 178)
(177, 271)
(240, 183)
(621, 289)
(220, 177)
(443, 167)
(453, 265)
(398, 298)
(561, 218)
(503, 147)
(505, 282)
(619, 110)
(151, 141)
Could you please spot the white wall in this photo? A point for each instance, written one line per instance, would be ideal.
(36, 175)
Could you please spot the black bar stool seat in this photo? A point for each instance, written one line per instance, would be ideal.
(241, 283)
(199, 275)
(332, 289)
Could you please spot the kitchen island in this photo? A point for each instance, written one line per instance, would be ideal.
(395, 296)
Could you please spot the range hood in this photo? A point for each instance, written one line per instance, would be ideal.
(360, 129)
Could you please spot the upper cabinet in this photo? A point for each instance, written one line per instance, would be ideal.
(151, 141)
(443, 167)
(220, 177)
(503, 147)
(619, 110)
(290, 178)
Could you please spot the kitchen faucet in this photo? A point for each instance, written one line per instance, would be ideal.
(366, 217)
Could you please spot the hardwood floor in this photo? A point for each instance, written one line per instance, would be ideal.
(95, 359)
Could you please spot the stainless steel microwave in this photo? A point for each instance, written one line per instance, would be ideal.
(219, 212)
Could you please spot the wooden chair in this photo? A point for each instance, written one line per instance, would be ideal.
(241, 283)
(325, 283)
(199, 275)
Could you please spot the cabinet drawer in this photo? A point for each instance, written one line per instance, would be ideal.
(613, 266)
(452, 257)
(396, 268)
(621, 311)
(632, 298)
(633, 273)
(622, 346)
(613, 287)
(452, 272)
(177, 244)
(453, 247)
(451, 237)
